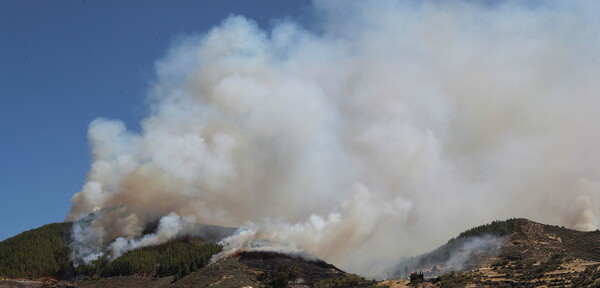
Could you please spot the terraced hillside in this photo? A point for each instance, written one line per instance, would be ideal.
(522, 253)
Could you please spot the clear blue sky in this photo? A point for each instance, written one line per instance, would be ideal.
(65, 63)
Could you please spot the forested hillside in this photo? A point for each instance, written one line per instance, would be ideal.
(485, 240)
(35, 253)
(44, 252)
(177, 257)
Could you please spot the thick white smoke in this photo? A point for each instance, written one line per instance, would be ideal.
(387, 128)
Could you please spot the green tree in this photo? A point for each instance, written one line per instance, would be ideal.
(39, 252)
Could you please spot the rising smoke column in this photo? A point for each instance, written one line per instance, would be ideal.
(381, 132)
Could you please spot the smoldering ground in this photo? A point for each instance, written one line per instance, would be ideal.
(380, 131)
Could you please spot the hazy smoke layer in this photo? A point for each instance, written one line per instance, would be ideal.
(459, 255)
(380, 132)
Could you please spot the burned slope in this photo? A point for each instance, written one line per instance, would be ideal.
(271, 269)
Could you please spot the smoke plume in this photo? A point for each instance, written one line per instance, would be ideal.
(379, 132)
(460, 254)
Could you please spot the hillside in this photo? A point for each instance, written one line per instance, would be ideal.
(270, 269)
(468, 250)
(44, 252)
(39, 252)
(254, 269)
(174, 258)
(513, 253)
(40, 258)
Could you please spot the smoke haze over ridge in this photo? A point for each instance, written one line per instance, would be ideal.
(374, 135)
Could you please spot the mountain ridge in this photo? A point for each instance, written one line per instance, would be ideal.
(511, 253)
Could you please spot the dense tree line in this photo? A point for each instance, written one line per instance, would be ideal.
(44, 252)
(496, 228)
(36, 253)
(177, 257)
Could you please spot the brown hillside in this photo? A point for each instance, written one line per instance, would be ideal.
(266, 268)
(524, 254)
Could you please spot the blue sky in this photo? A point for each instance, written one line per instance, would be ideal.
(65, 63)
